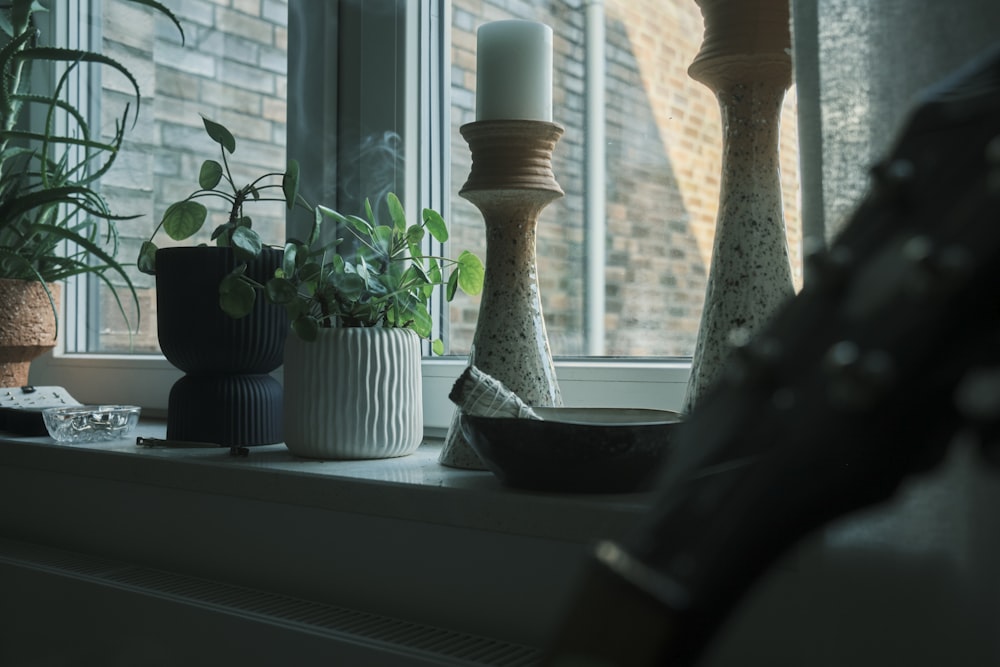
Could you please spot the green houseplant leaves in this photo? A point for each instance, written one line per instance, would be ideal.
(54, 224)
(384, 280)
(185, 218)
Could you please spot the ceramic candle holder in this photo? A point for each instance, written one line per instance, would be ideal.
(745, 60)
(511, 181)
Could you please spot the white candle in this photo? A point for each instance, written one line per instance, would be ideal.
(514, 71)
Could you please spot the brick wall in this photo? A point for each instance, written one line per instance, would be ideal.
(663, 152)
(231, 70)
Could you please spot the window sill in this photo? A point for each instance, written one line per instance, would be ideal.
(145, 380)
(404, 537)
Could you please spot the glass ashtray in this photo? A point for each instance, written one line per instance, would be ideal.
(90, 423)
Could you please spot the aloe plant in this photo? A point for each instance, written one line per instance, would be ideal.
(54, 223)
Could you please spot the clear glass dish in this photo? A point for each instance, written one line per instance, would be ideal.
(90, 423)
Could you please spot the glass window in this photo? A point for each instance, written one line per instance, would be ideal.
(638, 290)
(233, 70)
(623, 257)
(658, 134)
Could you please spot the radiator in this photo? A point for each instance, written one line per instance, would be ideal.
(60, 607)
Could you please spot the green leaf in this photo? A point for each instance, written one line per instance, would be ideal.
(73, 57)
(351, 286)
(330, 213)
(310, 270)
(281, 291)
(246, 242)
(221, 234)
(288, 258)
(437, 346)
(290, 184)
(434, 271)
(147, 258)
(415, 275)
(435, 225)
(414, 236)
(210, 174)
(452, 285)
(369, 212)
(236, 296)
(396, 211)
(306, 328)
(434, 277)
(421, 320)
(155, 4)
(360, 224)
(318, 214)
(220, 135)
(470, 273)
(382, 239)
(184, 219)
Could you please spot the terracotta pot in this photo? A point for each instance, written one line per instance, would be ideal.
(354, 394)
(27, 327)
(227, 396)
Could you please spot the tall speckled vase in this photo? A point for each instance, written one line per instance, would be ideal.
(511, 181)
(745, 59)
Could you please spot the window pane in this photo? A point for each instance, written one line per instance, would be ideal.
(663, 141)
(232, 70)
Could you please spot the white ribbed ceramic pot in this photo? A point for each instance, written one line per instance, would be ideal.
(354, 394)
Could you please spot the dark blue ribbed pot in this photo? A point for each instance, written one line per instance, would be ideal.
(226, 396)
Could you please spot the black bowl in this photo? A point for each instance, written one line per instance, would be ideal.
(577, 450)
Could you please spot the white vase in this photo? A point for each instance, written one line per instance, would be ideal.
(354, 394)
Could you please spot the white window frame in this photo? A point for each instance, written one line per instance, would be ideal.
(145, 380)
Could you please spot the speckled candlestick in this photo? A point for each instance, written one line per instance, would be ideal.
(511, 181)
(745, 60)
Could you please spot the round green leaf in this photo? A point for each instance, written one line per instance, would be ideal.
(280, 290)
(421, 319)
(183, 219)
(236, 297)
(306, 328)
(246, 242)
(220, 135)
(470, 273)
(435, 225)
(437, 346)
(351, 286)
(147, 258)
(210, 174)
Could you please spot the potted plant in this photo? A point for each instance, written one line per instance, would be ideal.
(54, 223)
(227, 396)
(352, 369)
